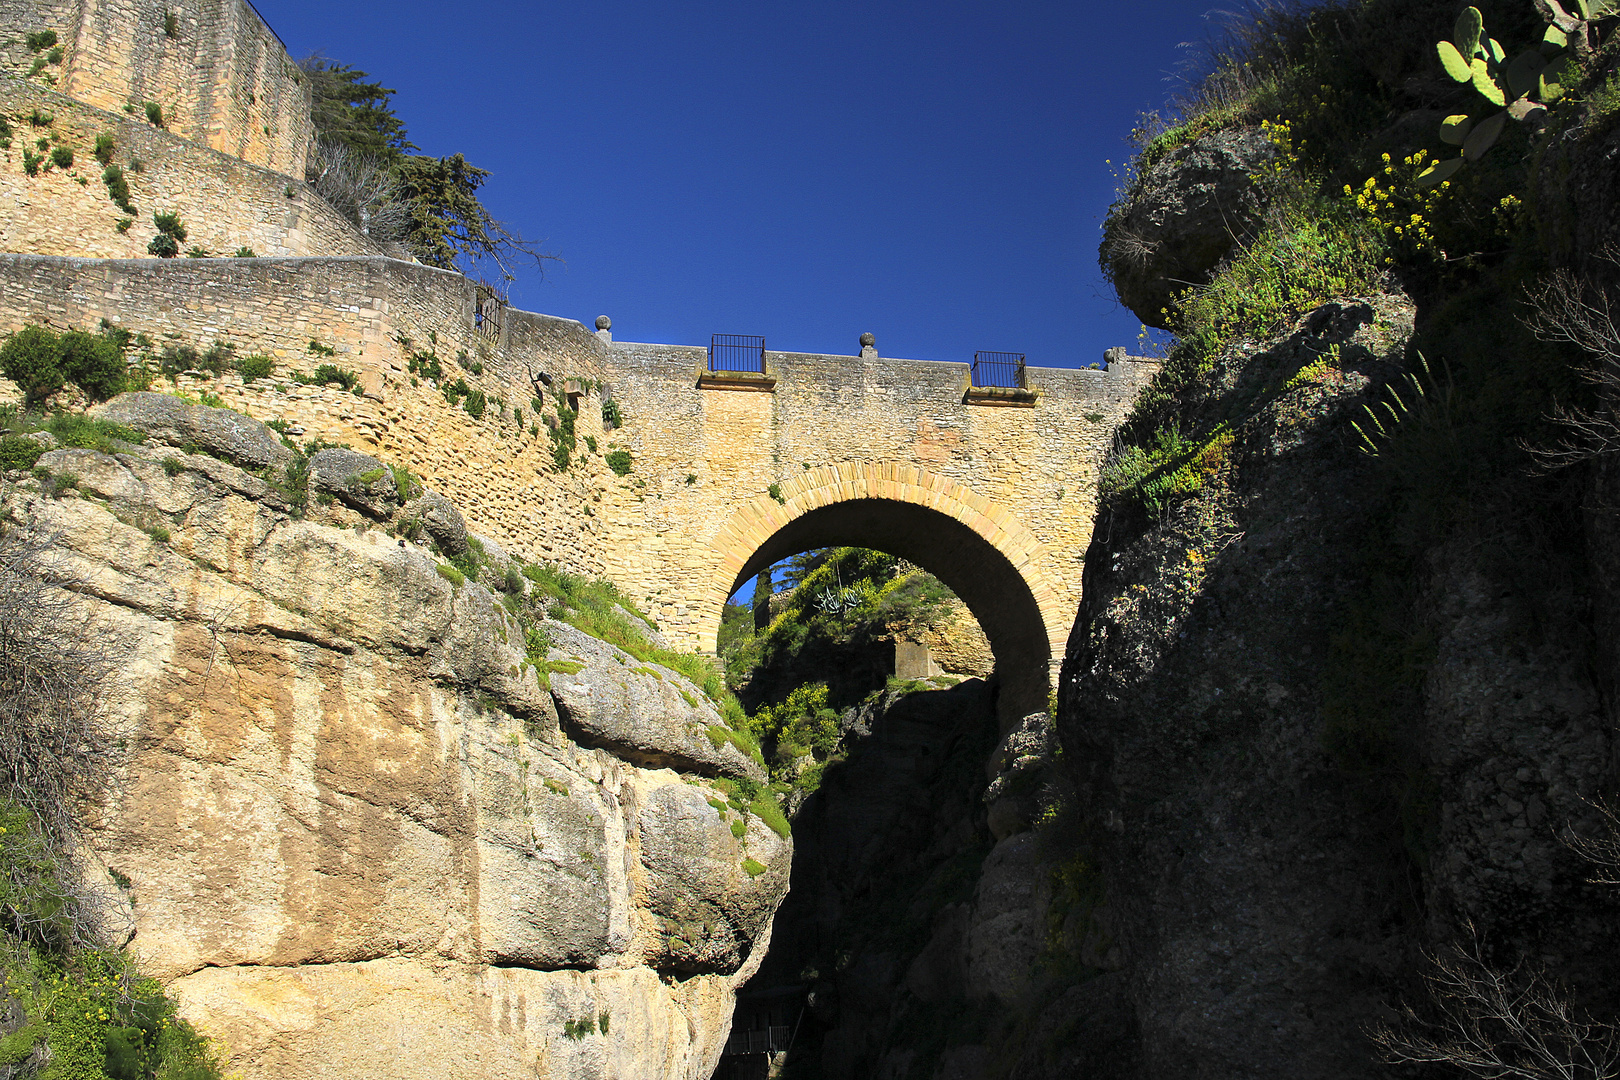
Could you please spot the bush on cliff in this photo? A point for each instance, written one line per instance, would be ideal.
(42, 362)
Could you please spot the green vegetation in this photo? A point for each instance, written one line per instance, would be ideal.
(753, 867)
(106, 145)
(328, 374)
(42, 362)
(40, 40)
(62, 157)
(17, 452)
(619, 461)
(170, 235)
(562, 435)
(611, 415)
(154, 114)
(118, 190)
(255, 366)
(431, 202)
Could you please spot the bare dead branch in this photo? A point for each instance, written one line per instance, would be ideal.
(360, 188)
(1499, 1024)
(60, 746)
(1565, 308)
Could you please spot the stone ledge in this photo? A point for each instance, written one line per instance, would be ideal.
(737, 380)
(1015, 397)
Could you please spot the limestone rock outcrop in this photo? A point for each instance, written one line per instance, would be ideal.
(357, 841)
(1185, 213)
(642, 712)
(180, 423)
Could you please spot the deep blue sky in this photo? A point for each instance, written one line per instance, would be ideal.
(935, 173)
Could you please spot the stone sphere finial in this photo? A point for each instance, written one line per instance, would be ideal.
(603, 322)
(867, 340)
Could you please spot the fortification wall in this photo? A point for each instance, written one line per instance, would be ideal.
(498, 469)
(220, 74)
(225, 203)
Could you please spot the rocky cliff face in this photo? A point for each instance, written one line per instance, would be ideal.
(356, 837)
(1328, 710)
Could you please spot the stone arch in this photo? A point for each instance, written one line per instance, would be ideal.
(974, 545)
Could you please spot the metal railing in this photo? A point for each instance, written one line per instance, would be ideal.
(771, 1040)
(737, 352)
(998, 369)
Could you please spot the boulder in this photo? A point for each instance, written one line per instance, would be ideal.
(1008, 932)
(709, 913)
(442, 522)
(642, 712)
(1186, 213)
(1016, 771)
(219, 432)
(359, 480)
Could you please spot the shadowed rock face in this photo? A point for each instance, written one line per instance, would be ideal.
(1184, 215)
(359, 842)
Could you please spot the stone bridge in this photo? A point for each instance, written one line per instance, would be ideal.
(991, 490)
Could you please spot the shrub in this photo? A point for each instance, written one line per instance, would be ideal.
(62, 157)
(117, 189)
(256, 366)
(452, 575)
(171, 24)
(244, 253)
(17, 452)
(173, 466)
(39, 42)
(31, 358)
(168, 223)
(31, 162)
(331, 373)
(154, 114)
(94, 363)
(610, 414)
(219, 358)
(40, 119)
(163, 246)
(318, 349)
(123, 224)
(475, 404)
(619, 461)
(106, 144)
(198, 252)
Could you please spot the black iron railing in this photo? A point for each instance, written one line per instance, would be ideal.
(998, 369)
(737, 352)
(771, 1040)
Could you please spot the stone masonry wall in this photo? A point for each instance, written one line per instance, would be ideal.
(497, 470)
(223, 78)
(225, 203)
(700, 455)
